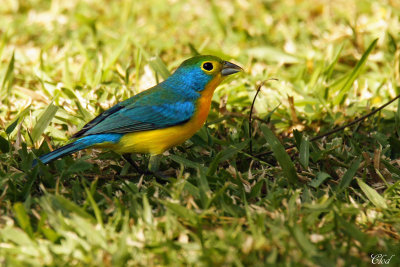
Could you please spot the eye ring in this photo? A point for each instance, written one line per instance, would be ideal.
(208, 66)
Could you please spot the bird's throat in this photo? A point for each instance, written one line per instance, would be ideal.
(204, 102)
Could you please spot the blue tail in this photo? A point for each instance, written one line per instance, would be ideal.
(79, 144)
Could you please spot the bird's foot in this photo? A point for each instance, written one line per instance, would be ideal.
(153, 168)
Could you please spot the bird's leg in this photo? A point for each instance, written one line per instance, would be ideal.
(154, 163)
(154, 166)
(128, 158)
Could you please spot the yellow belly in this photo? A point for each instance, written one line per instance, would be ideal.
(157, 141)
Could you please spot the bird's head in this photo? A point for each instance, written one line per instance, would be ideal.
(198, 72)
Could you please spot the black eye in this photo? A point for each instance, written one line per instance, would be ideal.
(208, 66)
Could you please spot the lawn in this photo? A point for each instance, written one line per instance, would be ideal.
(231, 195)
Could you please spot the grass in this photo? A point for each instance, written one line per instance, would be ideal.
(332, 202)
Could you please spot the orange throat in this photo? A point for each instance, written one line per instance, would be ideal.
(204, 102)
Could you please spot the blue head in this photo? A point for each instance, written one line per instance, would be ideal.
(195, 73)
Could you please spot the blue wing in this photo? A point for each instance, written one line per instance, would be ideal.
(153, 109)
(143, 118)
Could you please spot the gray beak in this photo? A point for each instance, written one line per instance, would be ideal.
(229, 68)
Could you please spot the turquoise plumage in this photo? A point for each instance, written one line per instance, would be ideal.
(174, 102)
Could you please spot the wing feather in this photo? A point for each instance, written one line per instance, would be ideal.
(156, 108)
(141, 118)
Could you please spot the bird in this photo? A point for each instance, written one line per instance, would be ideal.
(155, 119)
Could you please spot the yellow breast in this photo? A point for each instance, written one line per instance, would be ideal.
(157, 141)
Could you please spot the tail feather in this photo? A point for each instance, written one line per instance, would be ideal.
(60, 152)
(79, 144)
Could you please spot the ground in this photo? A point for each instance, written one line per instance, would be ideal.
(226, 199)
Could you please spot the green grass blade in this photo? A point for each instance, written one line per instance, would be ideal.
(95, 208)
(44, 121)
(181, 211)
(331, 67)
(304, 152)
(23, 218)
(87, 116)
(204, 188)
(16, 236)
(116, 53)
(321, 177)
(351, 229)
(4, 145)
(355, 73)
(159, 67)
(66, 73)
(302, 240)
(185, 162)
(65, 205)
(193, 50)
(281, 155)
(224, 155)
(138, 64)
(397, 118)
(348, 176)
(147, 214)
(10, 128)
(372, 195)
(3, 42)
(9, 76)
